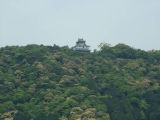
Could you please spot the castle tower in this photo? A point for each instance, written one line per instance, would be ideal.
(81, 46)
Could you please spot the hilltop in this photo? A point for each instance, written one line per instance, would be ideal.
(56, 83)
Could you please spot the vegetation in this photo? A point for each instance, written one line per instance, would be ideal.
(56, 83)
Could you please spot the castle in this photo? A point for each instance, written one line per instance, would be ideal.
(81, 46)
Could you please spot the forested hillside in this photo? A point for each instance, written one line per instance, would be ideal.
(55, 83)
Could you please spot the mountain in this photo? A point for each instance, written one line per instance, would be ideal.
(56, 83)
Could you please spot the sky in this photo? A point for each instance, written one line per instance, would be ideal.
(62, 22)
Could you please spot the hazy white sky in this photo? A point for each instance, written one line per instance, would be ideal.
(61, 22)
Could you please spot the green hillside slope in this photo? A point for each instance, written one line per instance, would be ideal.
(56, 83)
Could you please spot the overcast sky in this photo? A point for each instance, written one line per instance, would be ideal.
(62, 22)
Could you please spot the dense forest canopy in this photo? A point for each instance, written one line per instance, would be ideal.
(56, 83)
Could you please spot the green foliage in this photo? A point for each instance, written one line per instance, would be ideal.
(56, 83)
